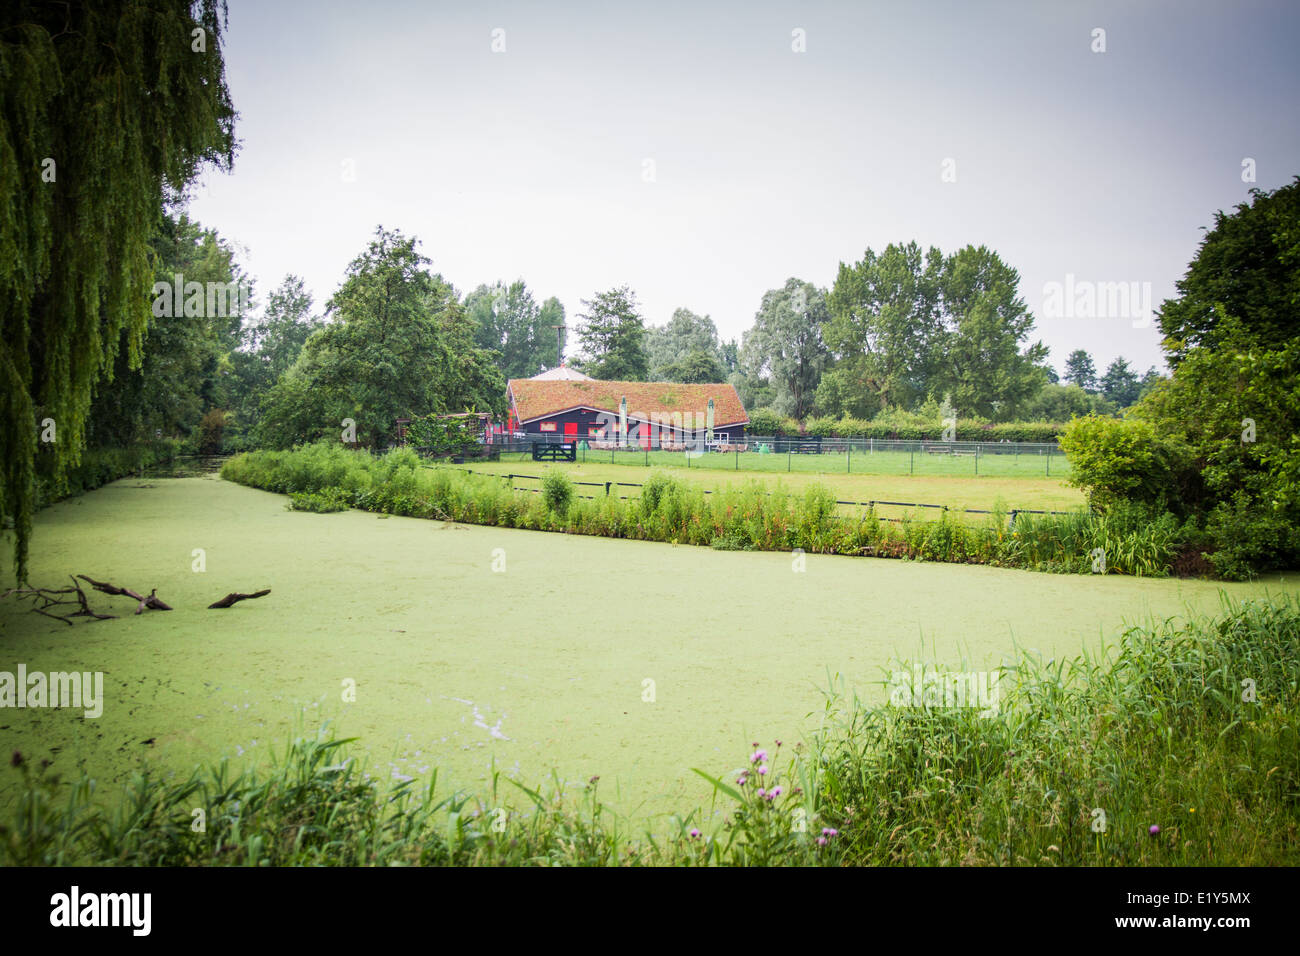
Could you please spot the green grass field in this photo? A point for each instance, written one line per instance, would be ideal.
(955, 491)
(538, 667)
(832, 463)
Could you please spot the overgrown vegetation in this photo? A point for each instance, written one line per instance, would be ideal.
(1219, 442)
(99, 466)
(738, 517)
(1179, 747)
(321, 502)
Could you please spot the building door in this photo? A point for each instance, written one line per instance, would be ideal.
(571, 431)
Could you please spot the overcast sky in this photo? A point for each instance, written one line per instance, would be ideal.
(687, 149)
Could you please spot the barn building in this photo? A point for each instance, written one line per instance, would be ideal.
(653, 414)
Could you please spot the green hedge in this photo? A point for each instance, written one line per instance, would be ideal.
(902, 426)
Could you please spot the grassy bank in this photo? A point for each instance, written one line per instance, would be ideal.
(1181, 747)
(749, 517)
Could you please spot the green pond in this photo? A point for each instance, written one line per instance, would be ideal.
(532, 659)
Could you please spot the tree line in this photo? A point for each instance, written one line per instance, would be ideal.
(92, 223)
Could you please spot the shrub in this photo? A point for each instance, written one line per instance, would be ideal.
(557, 492)
(1248, 534)
(655, 489)
(765, 421)
(731, 542)
(211, 428)
(1113, 460)
(321, 502)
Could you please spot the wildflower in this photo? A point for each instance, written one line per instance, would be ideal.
(762, 769)
(695, 834)
(778, 744)
(775, 791)
(828, 832)
(1155, 830)
(821, 841)
(758, 755)
(740, 781)
(762, 792)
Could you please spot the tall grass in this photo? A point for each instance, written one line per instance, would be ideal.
(1189, 728)
(1192, 728)
(750, 516)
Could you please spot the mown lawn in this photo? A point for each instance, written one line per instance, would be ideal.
(955, 491)
(537, 667)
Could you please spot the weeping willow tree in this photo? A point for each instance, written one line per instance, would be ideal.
(107, 111)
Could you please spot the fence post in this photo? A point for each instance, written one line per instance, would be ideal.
(607, 484)
(977, 459)
(738, 459)
(911, 468)
(1013, 520)
(850, 461)
(1049, 462)
(788, 454)
(647, 456)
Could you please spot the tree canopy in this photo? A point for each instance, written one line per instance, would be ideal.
(508, 320)
(1249, 263)
(106, 109)
(398, 345)
(685, 349)
(612, 337)
(786, 345)
(905, 325)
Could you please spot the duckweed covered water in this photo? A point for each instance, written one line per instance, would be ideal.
(539, 666)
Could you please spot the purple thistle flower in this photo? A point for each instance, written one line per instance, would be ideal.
(762, 769)
(1155, 830)
(828, 832)
(758, 755)
(821, 841)
(775, 791)
(762, 792)
(695, 834)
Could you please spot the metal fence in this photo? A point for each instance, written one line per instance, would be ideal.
(779, 454)
(810, 445)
